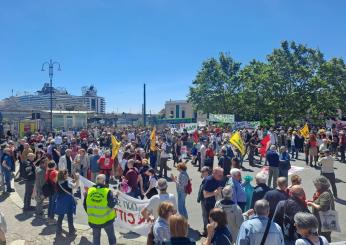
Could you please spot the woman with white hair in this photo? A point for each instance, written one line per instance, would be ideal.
(233, 211)
(307, 226)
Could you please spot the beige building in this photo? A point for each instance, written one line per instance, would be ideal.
(182, 109)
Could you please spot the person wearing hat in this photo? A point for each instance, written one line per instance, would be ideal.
(149, 212)
(326, 161)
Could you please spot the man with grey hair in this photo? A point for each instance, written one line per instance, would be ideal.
(273, 162)
(99, 205)
(239, 194)
(260, 227)
(261, 188)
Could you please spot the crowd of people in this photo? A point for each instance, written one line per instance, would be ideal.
(233, 211)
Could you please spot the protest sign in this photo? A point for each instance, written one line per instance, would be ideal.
(246, 124)
(128, 210)
(221, 118)
(190, 127)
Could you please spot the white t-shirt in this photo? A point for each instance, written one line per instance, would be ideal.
(301, 241)
(155, 201)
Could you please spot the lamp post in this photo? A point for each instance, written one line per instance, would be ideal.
(51, 65)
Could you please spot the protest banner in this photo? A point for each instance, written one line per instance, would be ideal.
(128, 210)
(221, 118)
(190, 127)
(246, 124)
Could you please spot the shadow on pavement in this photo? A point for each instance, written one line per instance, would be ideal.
(23, 216)
(65, 240)
(4, 196)
(38, 221)
(337, 180)
(48, 230)
(340, 201)
(85, 241)
(131, 235)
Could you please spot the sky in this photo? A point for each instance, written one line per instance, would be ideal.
(117, 45)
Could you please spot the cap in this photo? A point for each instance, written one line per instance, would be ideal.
(162, 184)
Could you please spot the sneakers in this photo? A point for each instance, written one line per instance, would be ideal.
(11, 190)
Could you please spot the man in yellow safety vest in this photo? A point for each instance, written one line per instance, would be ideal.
(99, 205)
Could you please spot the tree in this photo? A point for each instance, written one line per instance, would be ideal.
(215, 84)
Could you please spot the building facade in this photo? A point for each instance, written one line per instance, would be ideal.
(179, 109)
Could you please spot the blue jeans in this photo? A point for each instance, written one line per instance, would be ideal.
(109, 229)
(181, 204)
(51, 206)
(294, 150)
(69, 221)
(134, 193)
(7, 178)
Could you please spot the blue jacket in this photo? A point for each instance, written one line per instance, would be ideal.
(239, 194)
(273, 158)
(252, 230)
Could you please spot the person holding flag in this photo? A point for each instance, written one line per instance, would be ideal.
(153, 149)
(237, 141)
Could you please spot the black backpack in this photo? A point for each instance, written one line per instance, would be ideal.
(48, 189)
(288, 227)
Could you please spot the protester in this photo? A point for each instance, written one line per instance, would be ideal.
(322, 201)
(163, 158)
(313, 149)
(212, 188)
(160, 229)
(252, 231)
(205, 172)
(132, 179)
(181, 183)
(327, 169)
(295, 180)
(239, 195)
(94, 164)
(65, 202)
(273, 161)
(40, 173)
(99, 205)
(149, 212)
(51, 178)
(106, 165)
(260, 189)
(29, 178)
(307, 227)
(65, 162)
(7, 166)
(81, 163)
(275, 196)
(285, 211)
(233, 212)
(179, 228)
(284, 162)
(218, 233)
(151, 190)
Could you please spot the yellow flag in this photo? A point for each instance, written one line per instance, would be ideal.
(305, 131)
(153, 140)
(115, 147)
(238, 143)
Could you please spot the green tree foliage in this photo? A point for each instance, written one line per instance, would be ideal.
(293, 84)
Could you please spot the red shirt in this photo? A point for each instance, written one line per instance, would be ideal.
(106, 163)
(209, 152)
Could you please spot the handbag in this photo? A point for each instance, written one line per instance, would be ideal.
(68, 193)
(329, 220)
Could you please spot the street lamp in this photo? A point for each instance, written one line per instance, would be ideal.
(51, 65)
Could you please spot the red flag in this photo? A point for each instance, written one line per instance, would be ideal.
(195, 136)
(265, 144)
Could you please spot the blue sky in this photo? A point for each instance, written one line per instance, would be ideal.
(118, 45)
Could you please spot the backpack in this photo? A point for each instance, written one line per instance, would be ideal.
(48, 189)
(188, 187)
(288, 227)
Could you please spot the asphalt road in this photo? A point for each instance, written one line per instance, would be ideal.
(194, 209)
